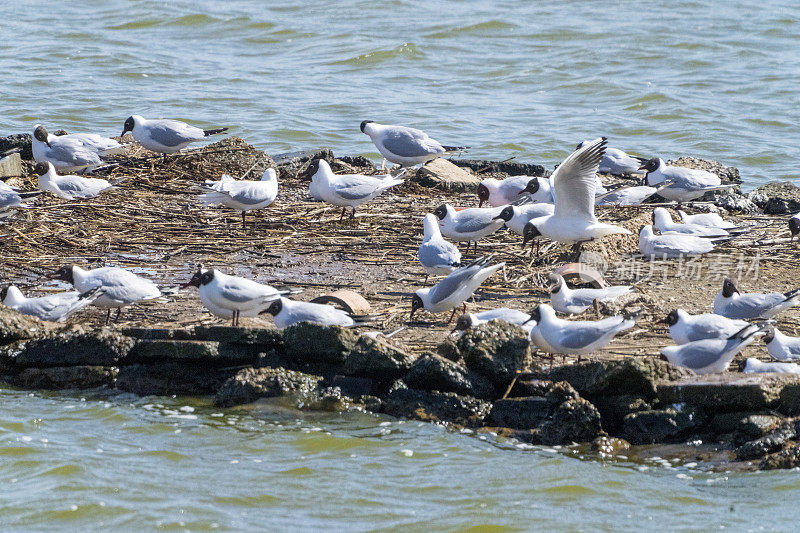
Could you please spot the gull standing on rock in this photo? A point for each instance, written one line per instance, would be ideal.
(74, 152)
(663, 222)
(712, 220)
(558, 336)
(574, 183)
(502, 192)
(120, 287)
(453, 291)
(232, 296)
(516, 216)
(470, 224)
(53, 307)
(575, 301)
(671, 245)
(405, 146)
(731, 303)
(347, 190)
(680, 184)
(242, 195)
(165, 136)
(710, 356)
(685, 327)
(288, 312)
(69, 187)
(617, 162)
(782, 347)
(435, 254)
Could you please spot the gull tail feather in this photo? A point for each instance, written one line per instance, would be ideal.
(214, 131)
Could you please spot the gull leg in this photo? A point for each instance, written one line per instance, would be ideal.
(244, 223)
(165, 159)
(452, 315)
(464, 309)
(116, 318)
(383, 164)
(353, 214)
(108, 316)
(341, 217)
(426, 279)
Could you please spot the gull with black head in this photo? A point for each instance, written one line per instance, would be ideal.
(405, 146)
(731, 303)
(165, 136)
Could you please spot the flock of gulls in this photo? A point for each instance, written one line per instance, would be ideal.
(558, 208)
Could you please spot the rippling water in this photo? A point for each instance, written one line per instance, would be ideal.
(714, 79)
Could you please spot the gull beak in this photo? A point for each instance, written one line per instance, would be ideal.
(498, 217)
(550, 288)
(641, 167)
(48, 144)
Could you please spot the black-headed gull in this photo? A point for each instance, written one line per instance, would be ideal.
(471, 224)
(685, 327)
(671, 245)
(73, 152)
(712, 220)
(575, 301)
(731, 303)
(663, 222)
(626, 195)
(754, 366)
(453, 291)
(680, 184)
(435, 254)
(242, 195)
(232, 297)
(52, 307)
(617, 162)
(794, 226)
(347, 190)
(782, 347)
(710, 356)
(120, 287)
(516, 216)
(558, 336)
(512, 316)
(501, 192)
(70, 186)
(405, 146)
(165, 136)
(540, 190)
(286, 312)
(574, 184)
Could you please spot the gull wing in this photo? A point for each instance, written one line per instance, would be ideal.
(575, 182)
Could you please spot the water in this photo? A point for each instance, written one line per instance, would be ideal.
(518, 79)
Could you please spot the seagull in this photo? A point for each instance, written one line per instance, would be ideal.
(556, 335)
(685, 327)
(232, 296)
(69, 187)
(540, 190)
(405, 146)
(435, 254)
(712, 220)
(288, 312)
(502, 192)
(574, 183)
(347, 190)
(452, 291)
(512, 316)
(53, 307)
(754, 366)
(671, 245)
(575, 301)
(470, 224)
(516, 216)
(731, 303)
(782, 347)
(242, 195)
(626, 196)
(11, 198)
(663, 222)
(680, 184)
(794, 226)
(710, 356)
(73, 152)
(617, 162)
(120, 287)
(165, 136)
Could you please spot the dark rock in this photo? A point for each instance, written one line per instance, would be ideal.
(159, 334)
(104, 348)
(530, 387)
(432, 406)
(373, 404)
(329, 399)
(15, 326)
(449, 349)
(520, 413)
(745, 426)
(267, 339)
(610, 445)
(65, 377)
(297, 160)
(561, 392)
(777, 197)
(250, 384)
(633, 376)
(789, 403)
(735, 202)
(507, 167)
(170, 350)
(784, 459)
(431, 372)
(614, 409)
(727, 392)
(377, 359)
(21, 141)
(575, 420)
(769, 443)
(496, 350)
(358, 161)
(352, 386)
(530, 436)
(189, 378)
(318, 344)
(662, 425)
